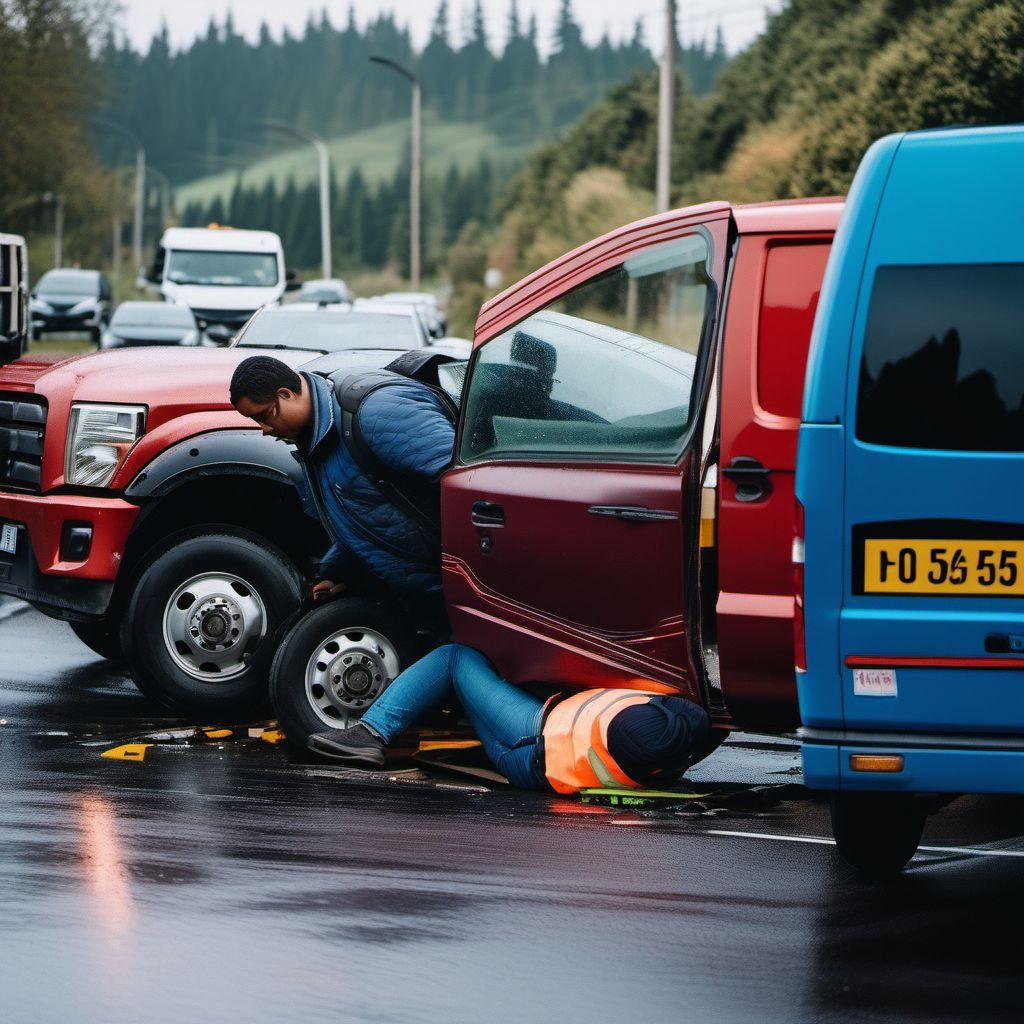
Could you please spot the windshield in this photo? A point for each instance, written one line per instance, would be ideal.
(222, 269)
(152, 314)
(330, 332)
(68, 283)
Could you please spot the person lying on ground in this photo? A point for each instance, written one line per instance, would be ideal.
(594, 738)
(406, 429)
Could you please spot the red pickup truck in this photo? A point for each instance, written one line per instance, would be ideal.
(619, 512)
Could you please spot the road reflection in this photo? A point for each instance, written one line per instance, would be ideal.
(103, 863)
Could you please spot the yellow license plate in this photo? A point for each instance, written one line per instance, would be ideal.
(968, 567)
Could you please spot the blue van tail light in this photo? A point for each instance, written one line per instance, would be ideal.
(799, 638)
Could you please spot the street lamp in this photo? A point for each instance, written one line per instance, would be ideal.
(414, 171)
(140, 185)
(666, 104)
(325, 186)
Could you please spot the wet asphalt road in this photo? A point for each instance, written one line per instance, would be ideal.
(220, 882)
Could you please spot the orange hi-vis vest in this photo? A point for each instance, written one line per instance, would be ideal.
(576, 740)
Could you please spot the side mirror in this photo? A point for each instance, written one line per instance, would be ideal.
(291, 282)
(219, 334)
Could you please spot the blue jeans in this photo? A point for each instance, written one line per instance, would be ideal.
(506, 718)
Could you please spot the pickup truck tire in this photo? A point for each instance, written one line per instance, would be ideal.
(333, 664)
(877, 833)
(203, 621)
(102, 638)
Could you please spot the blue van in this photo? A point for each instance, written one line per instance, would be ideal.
(910, 479)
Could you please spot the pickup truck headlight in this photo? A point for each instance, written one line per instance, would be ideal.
(99, 437)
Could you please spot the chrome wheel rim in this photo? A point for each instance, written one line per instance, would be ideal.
(347, 672)
(212, 625)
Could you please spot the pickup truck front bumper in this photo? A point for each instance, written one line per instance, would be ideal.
(64, 579)
(932, 762)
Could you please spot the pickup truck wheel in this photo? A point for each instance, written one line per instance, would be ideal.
(102, 638)
(877, 833)
(333, 665)
(203, 619)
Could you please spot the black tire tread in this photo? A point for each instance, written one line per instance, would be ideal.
(210, 708)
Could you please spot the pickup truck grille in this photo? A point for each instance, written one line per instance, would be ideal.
(22, 429)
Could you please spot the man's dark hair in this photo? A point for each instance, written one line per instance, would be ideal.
(258, 378)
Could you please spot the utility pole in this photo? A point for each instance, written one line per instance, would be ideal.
(666, 109)
(115, 252)
(325, 206)
(58, 231)
(140, 206)
(415, 173)
(415, 168)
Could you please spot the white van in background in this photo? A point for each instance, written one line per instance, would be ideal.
(222, 274)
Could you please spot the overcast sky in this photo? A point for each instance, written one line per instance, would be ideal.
(741, 20)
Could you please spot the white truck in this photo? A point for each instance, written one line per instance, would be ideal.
(222, 274)
(13, 297)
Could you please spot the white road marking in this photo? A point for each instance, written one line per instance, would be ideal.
(969, 850)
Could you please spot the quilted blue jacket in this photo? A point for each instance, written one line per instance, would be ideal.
(407, 429)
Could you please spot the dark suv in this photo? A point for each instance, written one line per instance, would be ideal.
(70, 300)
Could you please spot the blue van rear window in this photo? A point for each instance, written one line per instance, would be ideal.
(943, 360)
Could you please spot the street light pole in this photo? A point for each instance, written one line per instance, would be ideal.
(324, 160)
(666, 105)
(415, 169)
(140, 205)
(58, 231)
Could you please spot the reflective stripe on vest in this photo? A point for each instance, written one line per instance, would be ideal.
(576, 740)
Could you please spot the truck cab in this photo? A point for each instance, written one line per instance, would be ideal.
(911, 480)
(222, 274)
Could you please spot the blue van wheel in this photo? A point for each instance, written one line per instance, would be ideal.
(877, 832)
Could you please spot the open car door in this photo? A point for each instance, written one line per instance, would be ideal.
(568, 519)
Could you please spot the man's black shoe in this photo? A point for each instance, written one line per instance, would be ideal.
(354, 745)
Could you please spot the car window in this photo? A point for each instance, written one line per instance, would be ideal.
(222, 269)
(605, 371)
(157, 314)
(943, 363)
(56, 282)
(330, 331)
(792, 283)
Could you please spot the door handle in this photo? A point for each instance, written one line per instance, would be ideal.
(634, 513)
(487, 515)
(750, 477)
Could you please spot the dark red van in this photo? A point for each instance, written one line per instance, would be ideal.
(620, 510)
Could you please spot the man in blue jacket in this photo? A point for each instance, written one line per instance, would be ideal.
(405, 426)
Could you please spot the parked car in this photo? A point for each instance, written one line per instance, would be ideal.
(910, 478)
(333, 328)
(325, 291)
(150, 323)
(437, 321)
(606, 391)
(70, 300)
(13, 297)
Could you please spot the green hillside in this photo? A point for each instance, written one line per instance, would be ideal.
(377, 152)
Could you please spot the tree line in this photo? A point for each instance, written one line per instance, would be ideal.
(791, 116)
(199, 110)
(369, 223)
(48, 84)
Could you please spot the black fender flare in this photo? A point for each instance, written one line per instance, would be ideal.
(216, 453)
